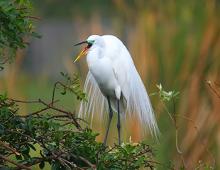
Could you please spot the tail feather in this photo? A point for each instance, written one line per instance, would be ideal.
(96, 101)
(139, 102)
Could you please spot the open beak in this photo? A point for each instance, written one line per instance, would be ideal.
(83, 52)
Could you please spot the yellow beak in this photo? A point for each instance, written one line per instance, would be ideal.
(82, 53)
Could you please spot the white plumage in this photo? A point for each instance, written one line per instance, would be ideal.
(112, 73)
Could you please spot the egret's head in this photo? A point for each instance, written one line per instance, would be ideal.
(90, 41)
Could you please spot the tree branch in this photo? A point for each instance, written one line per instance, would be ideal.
(21, 166)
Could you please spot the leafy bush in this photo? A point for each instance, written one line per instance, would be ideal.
(15, 27)
(57, 137)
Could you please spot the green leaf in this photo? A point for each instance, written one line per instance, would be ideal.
(2, 129)
(41, 165)
(62, 73)
(18, 157)
(64, 92)
(31, 146)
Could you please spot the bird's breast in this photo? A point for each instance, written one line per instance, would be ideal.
(103, 73)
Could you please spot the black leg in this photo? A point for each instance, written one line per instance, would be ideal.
(109, 120)
(119, 125)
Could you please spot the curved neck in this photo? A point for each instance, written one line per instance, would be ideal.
(94, 54)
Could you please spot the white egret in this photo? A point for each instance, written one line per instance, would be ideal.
(114, 81)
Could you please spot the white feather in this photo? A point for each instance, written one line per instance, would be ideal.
(133, 91)
(95, 99)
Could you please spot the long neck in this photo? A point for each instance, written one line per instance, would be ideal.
(94, 54)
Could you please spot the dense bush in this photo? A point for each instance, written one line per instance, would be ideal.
(56, 136)
(15, 27)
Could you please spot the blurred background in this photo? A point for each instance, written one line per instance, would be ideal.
(175, 43)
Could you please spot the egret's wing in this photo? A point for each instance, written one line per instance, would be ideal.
(96, 100)
(133, 90)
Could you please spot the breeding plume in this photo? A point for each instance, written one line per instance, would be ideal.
(113, 83)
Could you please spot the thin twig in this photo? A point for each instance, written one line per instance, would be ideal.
(23, 101)
(62, 111)
(38, 111)
(173, 118)
(34, 17)
(9, 148)
(87, 162)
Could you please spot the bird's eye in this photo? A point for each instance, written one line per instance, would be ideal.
(89, 44)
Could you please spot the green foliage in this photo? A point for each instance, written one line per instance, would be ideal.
(57, 138)
(72, 84)
(15, 26)
(128, 156)
(169, 97)
(166, 96)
